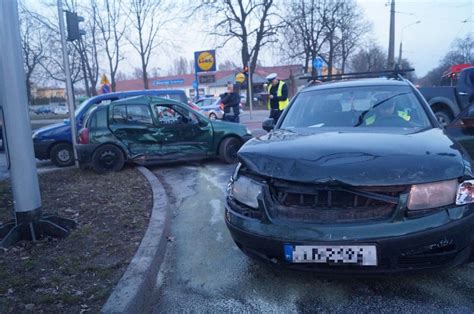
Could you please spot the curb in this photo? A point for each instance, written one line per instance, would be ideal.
(138, 281)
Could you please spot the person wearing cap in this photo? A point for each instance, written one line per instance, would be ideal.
(277, 96)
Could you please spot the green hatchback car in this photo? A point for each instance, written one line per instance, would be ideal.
(151, 130)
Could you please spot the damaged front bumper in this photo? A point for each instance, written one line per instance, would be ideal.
(441, 239)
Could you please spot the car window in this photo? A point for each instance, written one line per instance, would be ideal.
(131, 114)
(167, 115)
(119, 114)
(97, 119)
(366, 106)
(138, 114)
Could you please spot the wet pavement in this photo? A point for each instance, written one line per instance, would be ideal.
(204, 271)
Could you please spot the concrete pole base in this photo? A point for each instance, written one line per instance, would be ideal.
(35, 229)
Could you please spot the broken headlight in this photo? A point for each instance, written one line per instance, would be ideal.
(432, 195)
(246, 190)
(465, 193)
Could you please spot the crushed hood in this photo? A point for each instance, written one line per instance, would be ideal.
(355, 157)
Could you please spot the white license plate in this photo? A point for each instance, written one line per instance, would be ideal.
(364, 255)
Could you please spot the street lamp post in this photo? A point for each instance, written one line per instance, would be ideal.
(401, 40)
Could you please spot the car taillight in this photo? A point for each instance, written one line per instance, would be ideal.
(221, 105)
(84, 136)
(194, 107)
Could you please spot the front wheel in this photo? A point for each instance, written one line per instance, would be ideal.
(107, 158)
(62, 155)
(212, 116)
(228, 149)
(443, 117)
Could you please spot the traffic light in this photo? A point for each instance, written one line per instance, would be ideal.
(246, 70)
(73, 30)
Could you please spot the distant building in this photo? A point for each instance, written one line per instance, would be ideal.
(212, 83)
(48, 92)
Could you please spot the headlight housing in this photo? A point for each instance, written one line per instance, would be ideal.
(246, 191)
(465, 193)
(432, 195)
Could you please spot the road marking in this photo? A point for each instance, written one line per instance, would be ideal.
(219, 237)
(216, 211)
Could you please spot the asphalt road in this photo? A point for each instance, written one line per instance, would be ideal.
(204, 271)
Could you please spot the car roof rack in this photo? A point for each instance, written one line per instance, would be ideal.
(395, 74)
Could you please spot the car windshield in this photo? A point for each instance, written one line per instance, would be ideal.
(368, 106)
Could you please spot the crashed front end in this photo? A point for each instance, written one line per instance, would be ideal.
(334, 227)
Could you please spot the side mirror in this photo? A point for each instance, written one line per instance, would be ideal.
(268, 124)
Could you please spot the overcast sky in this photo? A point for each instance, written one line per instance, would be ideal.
(424, 44)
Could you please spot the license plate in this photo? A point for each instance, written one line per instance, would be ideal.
(364, 255)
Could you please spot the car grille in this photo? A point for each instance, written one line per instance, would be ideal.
(332, 204)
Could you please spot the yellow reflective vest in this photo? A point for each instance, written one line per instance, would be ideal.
(402, 114)
(282, 103)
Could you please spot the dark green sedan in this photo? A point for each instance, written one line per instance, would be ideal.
(152, 130)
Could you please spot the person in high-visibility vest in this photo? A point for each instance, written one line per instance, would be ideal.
(385, 114)
(277, 96)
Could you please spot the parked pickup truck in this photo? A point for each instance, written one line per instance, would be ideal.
(448, 101)
(55, 141)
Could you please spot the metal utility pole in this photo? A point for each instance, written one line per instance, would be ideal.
(249, 98)
(391, 41)
(29, 223)
(70, 95)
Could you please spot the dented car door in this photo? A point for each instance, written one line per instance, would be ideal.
(184, 134)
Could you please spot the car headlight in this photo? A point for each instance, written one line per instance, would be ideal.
(465, 193)
(431, 195)
(246, 191)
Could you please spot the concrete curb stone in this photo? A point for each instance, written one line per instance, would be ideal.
(137, 283)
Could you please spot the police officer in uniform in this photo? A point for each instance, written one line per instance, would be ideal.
(278, 96)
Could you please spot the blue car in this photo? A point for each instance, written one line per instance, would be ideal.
(55, 141)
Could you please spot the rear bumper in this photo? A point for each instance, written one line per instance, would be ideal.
(84, 153)
(426, 245)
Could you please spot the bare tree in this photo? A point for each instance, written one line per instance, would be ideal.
(111, 24)
(331, 24)
(180, 66)
(32, 40)
(372, 58)
(351, 28)
(52, 63)
(87, 46)
(227, 65)
(253, 23)
(462, 52)
(147, 18)
(304, 31)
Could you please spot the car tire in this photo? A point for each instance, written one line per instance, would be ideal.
(62, 155)
(443, 117)
(107, 158)
(228, 149)
(212, 116)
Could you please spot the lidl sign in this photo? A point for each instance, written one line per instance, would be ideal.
(205, 61)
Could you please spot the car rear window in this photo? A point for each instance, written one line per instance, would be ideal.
(97, 119)
(366, 106)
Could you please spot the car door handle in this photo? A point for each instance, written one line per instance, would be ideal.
(462, 93)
